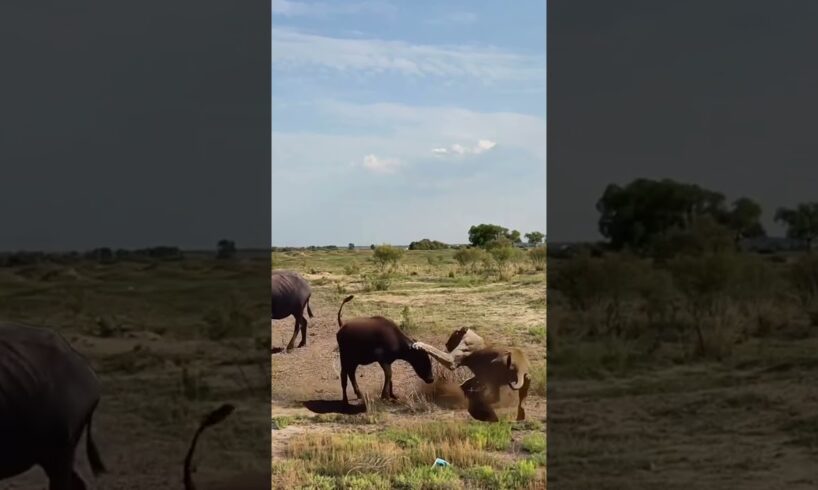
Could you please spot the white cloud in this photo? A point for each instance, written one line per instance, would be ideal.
(354, 56)
(289, 8)
(381, 165)
(482, 146)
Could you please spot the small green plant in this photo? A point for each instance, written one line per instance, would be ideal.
(534, 443)
(538, 333)
(380, 282)
(407, 323)
(366, 481)
(352, 269)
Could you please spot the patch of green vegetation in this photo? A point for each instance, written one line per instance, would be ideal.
(282, 422)
(428, 478)
(534, 443)
(518, 475)
(366, 481)
(493, 437)
(537, 333)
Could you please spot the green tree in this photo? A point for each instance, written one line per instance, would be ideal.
(482, 234)
(351, 246)
(426, 244)
(514, 236)
(801, 222)
(635, 215)
(534, 238)
(744, 219)
(499, 242)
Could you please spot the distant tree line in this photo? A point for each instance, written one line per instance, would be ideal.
(102, 255)
(660, 217)
(225, 249)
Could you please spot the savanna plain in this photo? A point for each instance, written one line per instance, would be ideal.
(385, 445)
(170, 340)
(696, 371)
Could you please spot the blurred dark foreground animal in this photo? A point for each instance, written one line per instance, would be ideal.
(290, 296)
(48, 394)
(365, 340)
(248, 481)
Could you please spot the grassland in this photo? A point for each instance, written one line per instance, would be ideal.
(170, 341)
(695, 372)
(394, 445)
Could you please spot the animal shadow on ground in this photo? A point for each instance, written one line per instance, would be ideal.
(276, 350)
(333, 406)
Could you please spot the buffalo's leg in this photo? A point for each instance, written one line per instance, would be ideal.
(295, 332)
(344, 375)
(354, 381)
(386, 392)
(60, 471)
(303, 332)
(523, 395)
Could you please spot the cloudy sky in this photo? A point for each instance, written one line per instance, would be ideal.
(396, 121)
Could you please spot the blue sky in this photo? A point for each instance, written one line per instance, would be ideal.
(396, 121)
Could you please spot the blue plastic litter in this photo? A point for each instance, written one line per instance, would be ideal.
(440, 462)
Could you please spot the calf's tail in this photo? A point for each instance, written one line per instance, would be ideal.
(212, 418)
(346, 300)
(94, 459)
(309, 310)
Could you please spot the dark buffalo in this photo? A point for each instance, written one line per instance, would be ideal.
(362, 341)
(290, 296)
(48, 394)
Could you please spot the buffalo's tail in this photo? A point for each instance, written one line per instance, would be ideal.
(212, 418)
(346, 300)
(309, 310)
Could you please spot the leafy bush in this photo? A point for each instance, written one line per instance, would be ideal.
(387, 256)
(427, 244)
(538, 256)
(468, 258)
(380, 282)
